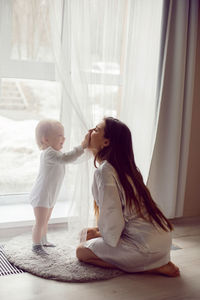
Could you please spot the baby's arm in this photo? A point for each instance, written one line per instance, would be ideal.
(67, 157)
(56, 157)
(71, 155)
(77, 151)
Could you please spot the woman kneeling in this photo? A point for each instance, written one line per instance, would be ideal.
(132, 234)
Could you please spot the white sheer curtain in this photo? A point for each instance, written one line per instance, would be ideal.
(169, 163)
(139, 106)
(107, 59)
(115, 58)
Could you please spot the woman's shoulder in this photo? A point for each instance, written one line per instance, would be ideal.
(105, 166)
(105, 170)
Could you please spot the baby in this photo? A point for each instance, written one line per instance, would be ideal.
(50, 139)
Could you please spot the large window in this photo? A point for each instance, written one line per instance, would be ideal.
(102, 65)
(28, 92)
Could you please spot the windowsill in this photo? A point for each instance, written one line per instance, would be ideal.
(20, 215)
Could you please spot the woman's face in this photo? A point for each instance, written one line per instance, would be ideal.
(97, 139)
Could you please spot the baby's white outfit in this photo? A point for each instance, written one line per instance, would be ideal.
(52, 170)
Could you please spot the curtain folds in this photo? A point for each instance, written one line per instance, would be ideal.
(108, 57)
(167, 174)
(139, 106)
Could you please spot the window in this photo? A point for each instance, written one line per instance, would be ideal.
(98, 37)
(28, 92)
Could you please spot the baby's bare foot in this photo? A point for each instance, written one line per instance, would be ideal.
(169, 270)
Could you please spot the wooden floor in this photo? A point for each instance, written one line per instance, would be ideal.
(134, 287)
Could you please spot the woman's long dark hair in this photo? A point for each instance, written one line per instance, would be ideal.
(119, 153)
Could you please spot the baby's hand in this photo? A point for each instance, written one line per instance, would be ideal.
(85, 143)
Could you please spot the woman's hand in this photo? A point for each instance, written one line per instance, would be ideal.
(92, 233)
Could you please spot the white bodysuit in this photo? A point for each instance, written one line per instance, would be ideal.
(128, 241)
(52, 170)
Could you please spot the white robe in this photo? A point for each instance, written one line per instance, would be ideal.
(52, 170)
(128, 241)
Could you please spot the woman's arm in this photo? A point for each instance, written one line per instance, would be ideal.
(111, 220)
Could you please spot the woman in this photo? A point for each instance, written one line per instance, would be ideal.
(132, 234)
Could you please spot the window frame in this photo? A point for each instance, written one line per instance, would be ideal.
(20, 69)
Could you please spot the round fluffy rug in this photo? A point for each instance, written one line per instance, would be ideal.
(61, 263)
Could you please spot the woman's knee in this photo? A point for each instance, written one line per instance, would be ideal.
(80, 252)
(83, 253)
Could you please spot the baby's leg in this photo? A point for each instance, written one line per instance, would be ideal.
(41, 214)
(44, 240)
(40, 222)
(45, 228)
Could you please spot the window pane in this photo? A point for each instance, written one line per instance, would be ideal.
(30, 19)
(22, 104)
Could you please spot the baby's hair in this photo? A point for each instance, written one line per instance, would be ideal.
(43, 129)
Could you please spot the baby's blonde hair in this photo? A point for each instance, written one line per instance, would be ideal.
(43, 129)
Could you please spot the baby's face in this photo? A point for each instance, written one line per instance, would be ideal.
(56, 138)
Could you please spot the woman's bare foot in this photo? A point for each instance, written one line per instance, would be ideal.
(169, 270)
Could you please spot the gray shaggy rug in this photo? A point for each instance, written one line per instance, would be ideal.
(61, 264)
